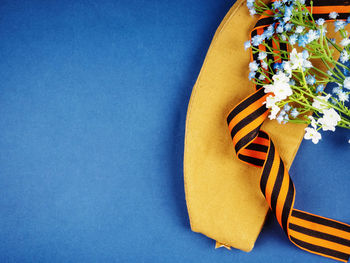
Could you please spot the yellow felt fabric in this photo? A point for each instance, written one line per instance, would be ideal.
(223, 196)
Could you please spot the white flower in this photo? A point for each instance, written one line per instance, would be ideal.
(270, 101)
(345, 42)
(312, 134)
(280, 89)
(253, 66)
(313, 122)
(280, 77)
(343, 96)
(344, 56)
(321, 102)
(347, 83)
(287, 68)
(329, 120)
(280, 86)
(298, 60)
(268, 88)
(274, 111)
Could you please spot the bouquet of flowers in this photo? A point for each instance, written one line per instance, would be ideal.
(308, 82)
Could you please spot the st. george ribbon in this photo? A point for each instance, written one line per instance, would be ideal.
(313, 233)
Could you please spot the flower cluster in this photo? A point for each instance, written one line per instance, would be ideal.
(299, 91)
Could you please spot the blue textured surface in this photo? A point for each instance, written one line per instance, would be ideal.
(93, 101)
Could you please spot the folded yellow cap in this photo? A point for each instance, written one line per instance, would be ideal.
(223, 196)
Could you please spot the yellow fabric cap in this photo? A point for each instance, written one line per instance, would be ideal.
(223, 196)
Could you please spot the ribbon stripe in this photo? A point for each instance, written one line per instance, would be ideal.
(246, 103)
(318, 234)
(323, 251)
(321, 220)
(315, 234)
(248, 119)
(257, 147)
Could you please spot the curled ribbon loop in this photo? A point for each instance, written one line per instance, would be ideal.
(313, 233)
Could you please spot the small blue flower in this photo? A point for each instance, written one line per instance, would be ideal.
(250, 3)
(253, 66)
(337, 90)
(277, 4)
(334, 101)
(288, 12)
(333, 15)
(286, 107)
(277, 66)
(312, 35)
(305, 54)
(288, 27)
(268, 33)
(286, 119)
(310, 79)
(257, 40)
(299, 29)
(294, 113)
(338, 25)
(252, 11)
(302, 40)
(251, 75)
(293, 39)
(320, 21)
(280, 28)
(262, 77)
(280, 118)
(292, 82)
(348, 20)
(247, 44)
(319, 88)
(262, 55)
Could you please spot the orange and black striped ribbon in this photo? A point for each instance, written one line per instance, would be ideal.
(316, 234)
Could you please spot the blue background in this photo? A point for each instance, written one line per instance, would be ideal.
(93, 102)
